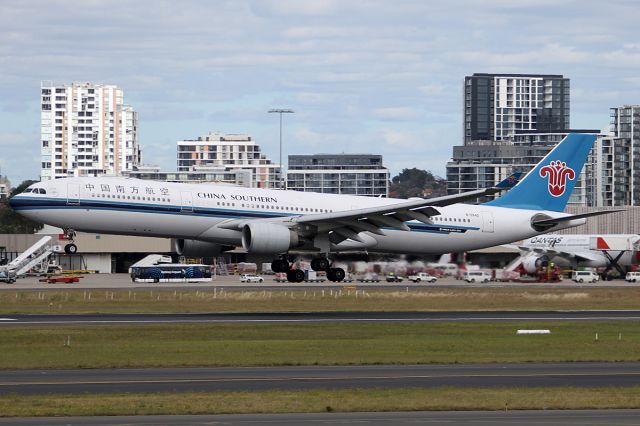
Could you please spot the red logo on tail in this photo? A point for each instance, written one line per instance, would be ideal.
(558, 173)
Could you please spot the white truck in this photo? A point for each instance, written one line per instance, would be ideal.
(422, 277)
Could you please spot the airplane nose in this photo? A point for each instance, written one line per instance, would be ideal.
(15, 202)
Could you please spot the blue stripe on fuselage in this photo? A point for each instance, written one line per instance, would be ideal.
(44, 203)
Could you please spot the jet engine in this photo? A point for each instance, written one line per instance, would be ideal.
(532, 263)
(268, 238)
(195, 248)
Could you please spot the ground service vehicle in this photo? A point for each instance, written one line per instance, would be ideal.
(7, 275)
(251, 278)
(585, 276)
(477, 277)
(171, 272)
(632, 277)
(393, 278)
(422, 277)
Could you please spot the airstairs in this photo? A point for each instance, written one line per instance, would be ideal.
(515, 263)
(37, 254)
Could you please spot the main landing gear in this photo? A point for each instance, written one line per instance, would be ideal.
(320, 263)
(70, 235)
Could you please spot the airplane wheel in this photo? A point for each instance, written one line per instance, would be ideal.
(336, 274)
(295, 275)
(320, 264)
(280, 265)
(71, 249)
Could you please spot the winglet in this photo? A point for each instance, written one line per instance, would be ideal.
(510, 181)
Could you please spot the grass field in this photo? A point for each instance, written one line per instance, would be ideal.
(100, 301)
(320, 401)
(326, 344)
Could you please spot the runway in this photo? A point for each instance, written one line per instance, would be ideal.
(9, 320)
(318, 377)
(434, 418)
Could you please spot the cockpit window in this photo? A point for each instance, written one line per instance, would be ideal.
(28, 190)
(42, 191)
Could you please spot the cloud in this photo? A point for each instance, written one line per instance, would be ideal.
(377, 76)
(395, 113)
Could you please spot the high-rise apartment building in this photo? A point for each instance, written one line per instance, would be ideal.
(229, 152)
(497, 106)
(619, 159)
(354, 174)
(86, 130)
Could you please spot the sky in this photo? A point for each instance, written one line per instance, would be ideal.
(380, 77)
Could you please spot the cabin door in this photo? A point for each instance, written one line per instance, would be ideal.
(73, 194)
(186, 202)
(487, 222)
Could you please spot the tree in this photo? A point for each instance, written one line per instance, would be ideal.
(13, 223)
(417, 183)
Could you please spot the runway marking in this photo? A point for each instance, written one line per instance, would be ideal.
(8, 319)
(314, 378)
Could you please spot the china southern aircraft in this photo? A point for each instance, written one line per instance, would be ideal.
(208, 218)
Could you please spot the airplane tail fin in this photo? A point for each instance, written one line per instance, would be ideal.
(550, 184)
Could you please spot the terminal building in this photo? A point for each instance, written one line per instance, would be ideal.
(86, 129)
(353, 174)
(222, 153)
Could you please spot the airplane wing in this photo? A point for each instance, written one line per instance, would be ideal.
(348, 223)
(579, 255)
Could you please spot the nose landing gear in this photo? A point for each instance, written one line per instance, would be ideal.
(70, 235)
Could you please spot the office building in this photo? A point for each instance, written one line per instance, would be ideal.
(229, 152)
(86, 130)
(354, 174)
(496, 106)
(482, 164)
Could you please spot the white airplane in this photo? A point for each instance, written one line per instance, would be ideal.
(207, 218)
(584, 250)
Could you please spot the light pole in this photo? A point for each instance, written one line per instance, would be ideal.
(281, 111)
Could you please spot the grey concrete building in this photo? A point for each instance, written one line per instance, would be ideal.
(354, 174)
(498, 105)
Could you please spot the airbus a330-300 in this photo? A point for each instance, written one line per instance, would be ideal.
(206, 219)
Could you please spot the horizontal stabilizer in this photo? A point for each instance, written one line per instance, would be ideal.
(549, 223)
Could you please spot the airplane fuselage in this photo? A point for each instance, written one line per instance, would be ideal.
(129, 206)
